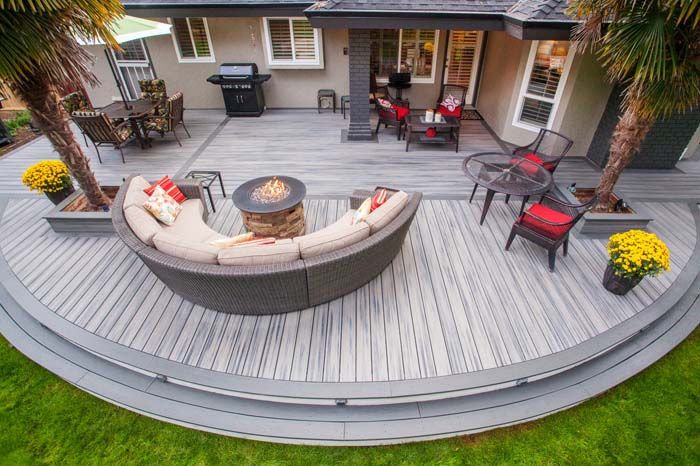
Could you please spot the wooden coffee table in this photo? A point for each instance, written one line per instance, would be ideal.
(448, 131)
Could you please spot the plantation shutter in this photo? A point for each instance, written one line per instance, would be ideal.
(304, 40)
(463, 49)
(292, 40)
(543, 82)
(192, 37)
(182, 36)
(281, 39)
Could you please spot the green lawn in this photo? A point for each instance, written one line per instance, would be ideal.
(652, 419)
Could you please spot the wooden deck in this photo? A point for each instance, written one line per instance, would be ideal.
(452, 302)
(455, 336)
(307, 145)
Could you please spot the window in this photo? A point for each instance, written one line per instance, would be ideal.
(548, 65)
(192, 40)
(292, 43)
(405, 50)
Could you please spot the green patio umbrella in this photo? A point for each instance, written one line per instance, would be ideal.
(126, 29)
(132, 28)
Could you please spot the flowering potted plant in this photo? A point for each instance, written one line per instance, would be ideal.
(50, 177)
(634, 255)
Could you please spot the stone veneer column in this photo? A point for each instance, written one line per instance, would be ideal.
(359, 49)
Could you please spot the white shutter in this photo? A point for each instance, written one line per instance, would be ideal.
(281, 39)
(463, 52)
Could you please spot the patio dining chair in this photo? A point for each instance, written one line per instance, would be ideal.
(154, 90)
(76, 102)
(100, 130)
(392, 112)
(170, 120)
(548, 149)
(548, 224)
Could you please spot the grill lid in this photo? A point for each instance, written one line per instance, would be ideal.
(247, 70)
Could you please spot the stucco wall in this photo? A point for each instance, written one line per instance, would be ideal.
(107, 90)
(236, 40)
(581, 106)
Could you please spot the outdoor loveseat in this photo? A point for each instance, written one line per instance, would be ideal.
(273, 288)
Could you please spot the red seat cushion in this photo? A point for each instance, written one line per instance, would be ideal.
(457, 112)
(550, 215)
(401, 112)
(531, 156)
(169, 187)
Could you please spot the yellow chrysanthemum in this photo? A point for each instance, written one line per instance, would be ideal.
(637, 253)
(47, 176)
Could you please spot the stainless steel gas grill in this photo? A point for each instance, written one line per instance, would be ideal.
(241, 86)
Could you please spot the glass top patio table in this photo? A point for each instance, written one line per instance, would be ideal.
(508, 174)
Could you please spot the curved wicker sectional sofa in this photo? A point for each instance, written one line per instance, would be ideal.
(270, 289)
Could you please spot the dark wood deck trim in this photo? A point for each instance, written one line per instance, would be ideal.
(13, 293)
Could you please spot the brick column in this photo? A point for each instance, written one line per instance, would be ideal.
(359, 50)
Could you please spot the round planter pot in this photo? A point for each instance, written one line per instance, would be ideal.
(618, 285)
(60, 196)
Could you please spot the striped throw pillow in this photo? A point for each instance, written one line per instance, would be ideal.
(169, 187)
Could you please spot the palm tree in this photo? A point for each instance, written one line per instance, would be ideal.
(39, 55)
(651, 49)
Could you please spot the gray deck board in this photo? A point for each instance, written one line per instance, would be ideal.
(453, 301)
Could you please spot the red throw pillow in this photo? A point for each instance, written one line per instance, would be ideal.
(401, 112)
(457, 112)
(431, 132)
(551, 215)
(169, 187)
(378, 200)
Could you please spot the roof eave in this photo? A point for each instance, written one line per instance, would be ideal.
(388, 19)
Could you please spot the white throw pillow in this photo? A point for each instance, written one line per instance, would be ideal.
(162, 206)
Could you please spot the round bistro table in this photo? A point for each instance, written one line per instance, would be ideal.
(504, 173)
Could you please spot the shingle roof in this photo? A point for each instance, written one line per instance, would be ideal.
(218, 3)
(523, 9)
(546, 10)
(462, 6)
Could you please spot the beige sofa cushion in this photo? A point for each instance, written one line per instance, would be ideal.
(282, 251)
(190, 225)
(330, 239)
(184, 248)
(135, 195)
(387, 212)
(142, 223)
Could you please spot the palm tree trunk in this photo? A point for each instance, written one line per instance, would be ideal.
(50, 117)
(629, 133)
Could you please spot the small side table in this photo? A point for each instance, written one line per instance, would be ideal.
(208, 177)
(328, 94)
(344, 102)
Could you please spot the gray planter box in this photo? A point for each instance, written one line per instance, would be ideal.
(603, 224)
(79, 223)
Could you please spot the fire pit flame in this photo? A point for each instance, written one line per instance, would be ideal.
(273, 191)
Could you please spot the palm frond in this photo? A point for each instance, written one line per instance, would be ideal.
(39, 38)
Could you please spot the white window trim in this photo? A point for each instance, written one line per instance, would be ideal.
(316, 63)
(557, 96)
(419, 80)
(180, 59)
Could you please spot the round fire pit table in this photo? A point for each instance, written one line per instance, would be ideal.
(272, 206)
(509, 174)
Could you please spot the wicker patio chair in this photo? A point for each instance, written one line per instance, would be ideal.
(394, 115)
(100, 130)
(456, 91)
(548, 224)
(76, 102)
(169, 121)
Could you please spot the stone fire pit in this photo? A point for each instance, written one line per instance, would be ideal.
(272, 206)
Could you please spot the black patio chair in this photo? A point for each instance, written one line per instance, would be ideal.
(548, 224)
(375, 91)
(456, 91)
(548, 149)
(394, 115)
